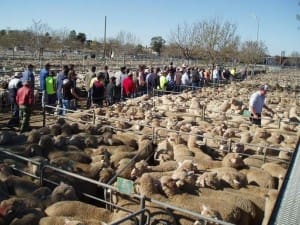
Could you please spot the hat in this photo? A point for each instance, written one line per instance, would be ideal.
(146, 70)
(264, 87)
(18, 74)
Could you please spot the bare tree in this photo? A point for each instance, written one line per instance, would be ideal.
(39, 41)
(252, 52)
(185, 38)
(126, 43)
(294, 59)
(217, 40)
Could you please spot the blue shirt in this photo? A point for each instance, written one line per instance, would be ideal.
(59, 83)
(28, 76)
(43, 74)
(257, 101)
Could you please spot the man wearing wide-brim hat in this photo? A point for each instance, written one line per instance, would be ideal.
(257, 103)
(14, 84)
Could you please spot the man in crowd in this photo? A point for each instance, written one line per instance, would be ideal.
(128, 86)
(13, 86)
(59, 83)
(87, 79)
(43, 75)
(257, 103)
(24, 100)
(110, 91)
(29, 76)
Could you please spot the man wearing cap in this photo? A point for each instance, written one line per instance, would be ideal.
(29, 76)
(257, 103)
(43, 75)
(13, 86)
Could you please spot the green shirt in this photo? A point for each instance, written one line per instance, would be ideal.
(163, 82)
(50, 85)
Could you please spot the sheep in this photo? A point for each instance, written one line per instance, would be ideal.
(275, 171)
(72, 155)
(19, 186)
(33, 136)
(24, 216)
(62, 220)
(254, 161)
(230, 177)
(259, 177)
(238, 200)
(79, 210)
(233, 160)
(208, 179)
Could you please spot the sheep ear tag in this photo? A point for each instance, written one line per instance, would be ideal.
(125, 186)
(246, 113)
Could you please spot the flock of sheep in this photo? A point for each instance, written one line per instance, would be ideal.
(194, 151)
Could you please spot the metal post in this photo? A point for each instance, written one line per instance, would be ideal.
(142, 204)
(94, 117)
(104, 50)
(44, 116)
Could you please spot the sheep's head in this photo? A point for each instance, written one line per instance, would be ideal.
(208, 212)
(238, 148)
(63, 192)
(187, 165)
(139, 169)
(208, 179)
(168, 186)
(106, 174)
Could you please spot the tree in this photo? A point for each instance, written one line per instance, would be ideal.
(294, 59)
(252, 52)
(217, 40)
(81, 37)
(185, 38)
(39, 40)
(157, 44)
(72, 35)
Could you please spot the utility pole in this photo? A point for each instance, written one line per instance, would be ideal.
(104, 51)
(257, 20)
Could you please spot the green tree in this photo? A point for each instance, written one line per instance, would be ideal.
(157, 43)
(72, 35)
(81, 37)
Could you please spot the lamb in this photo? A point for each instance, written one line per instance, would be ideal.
(275, 171)
(259, 177)
(79, 210)
(238, 200)
(19, 186)
(62, 220)
(233, 160)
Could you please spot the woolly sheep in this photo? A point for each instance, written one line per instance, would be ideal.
(233, 160)
(256, 176)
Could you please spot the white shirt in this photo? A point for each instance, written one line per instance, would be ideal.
(185, 79)
(13, 83)
(216, 74)
(257, 101)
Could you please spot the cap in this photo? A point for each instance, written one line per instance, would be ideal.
(18, 74)
(264, 87)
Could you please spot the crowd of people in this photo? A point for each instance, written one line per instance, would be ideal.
(102, 88)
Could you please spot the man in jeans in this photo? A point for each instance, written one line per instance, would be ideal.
(25, 99)
(257, 103)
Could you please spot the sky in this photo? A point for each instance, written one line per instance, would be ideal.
(276, 19)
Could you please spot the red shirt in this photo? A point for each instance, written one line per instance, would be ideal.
(128, 86)
(24, 96)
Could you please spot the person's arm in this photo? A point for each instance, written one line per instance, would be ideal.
(73, 92)
(253, 112)
(268, 108)
(251, 106)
